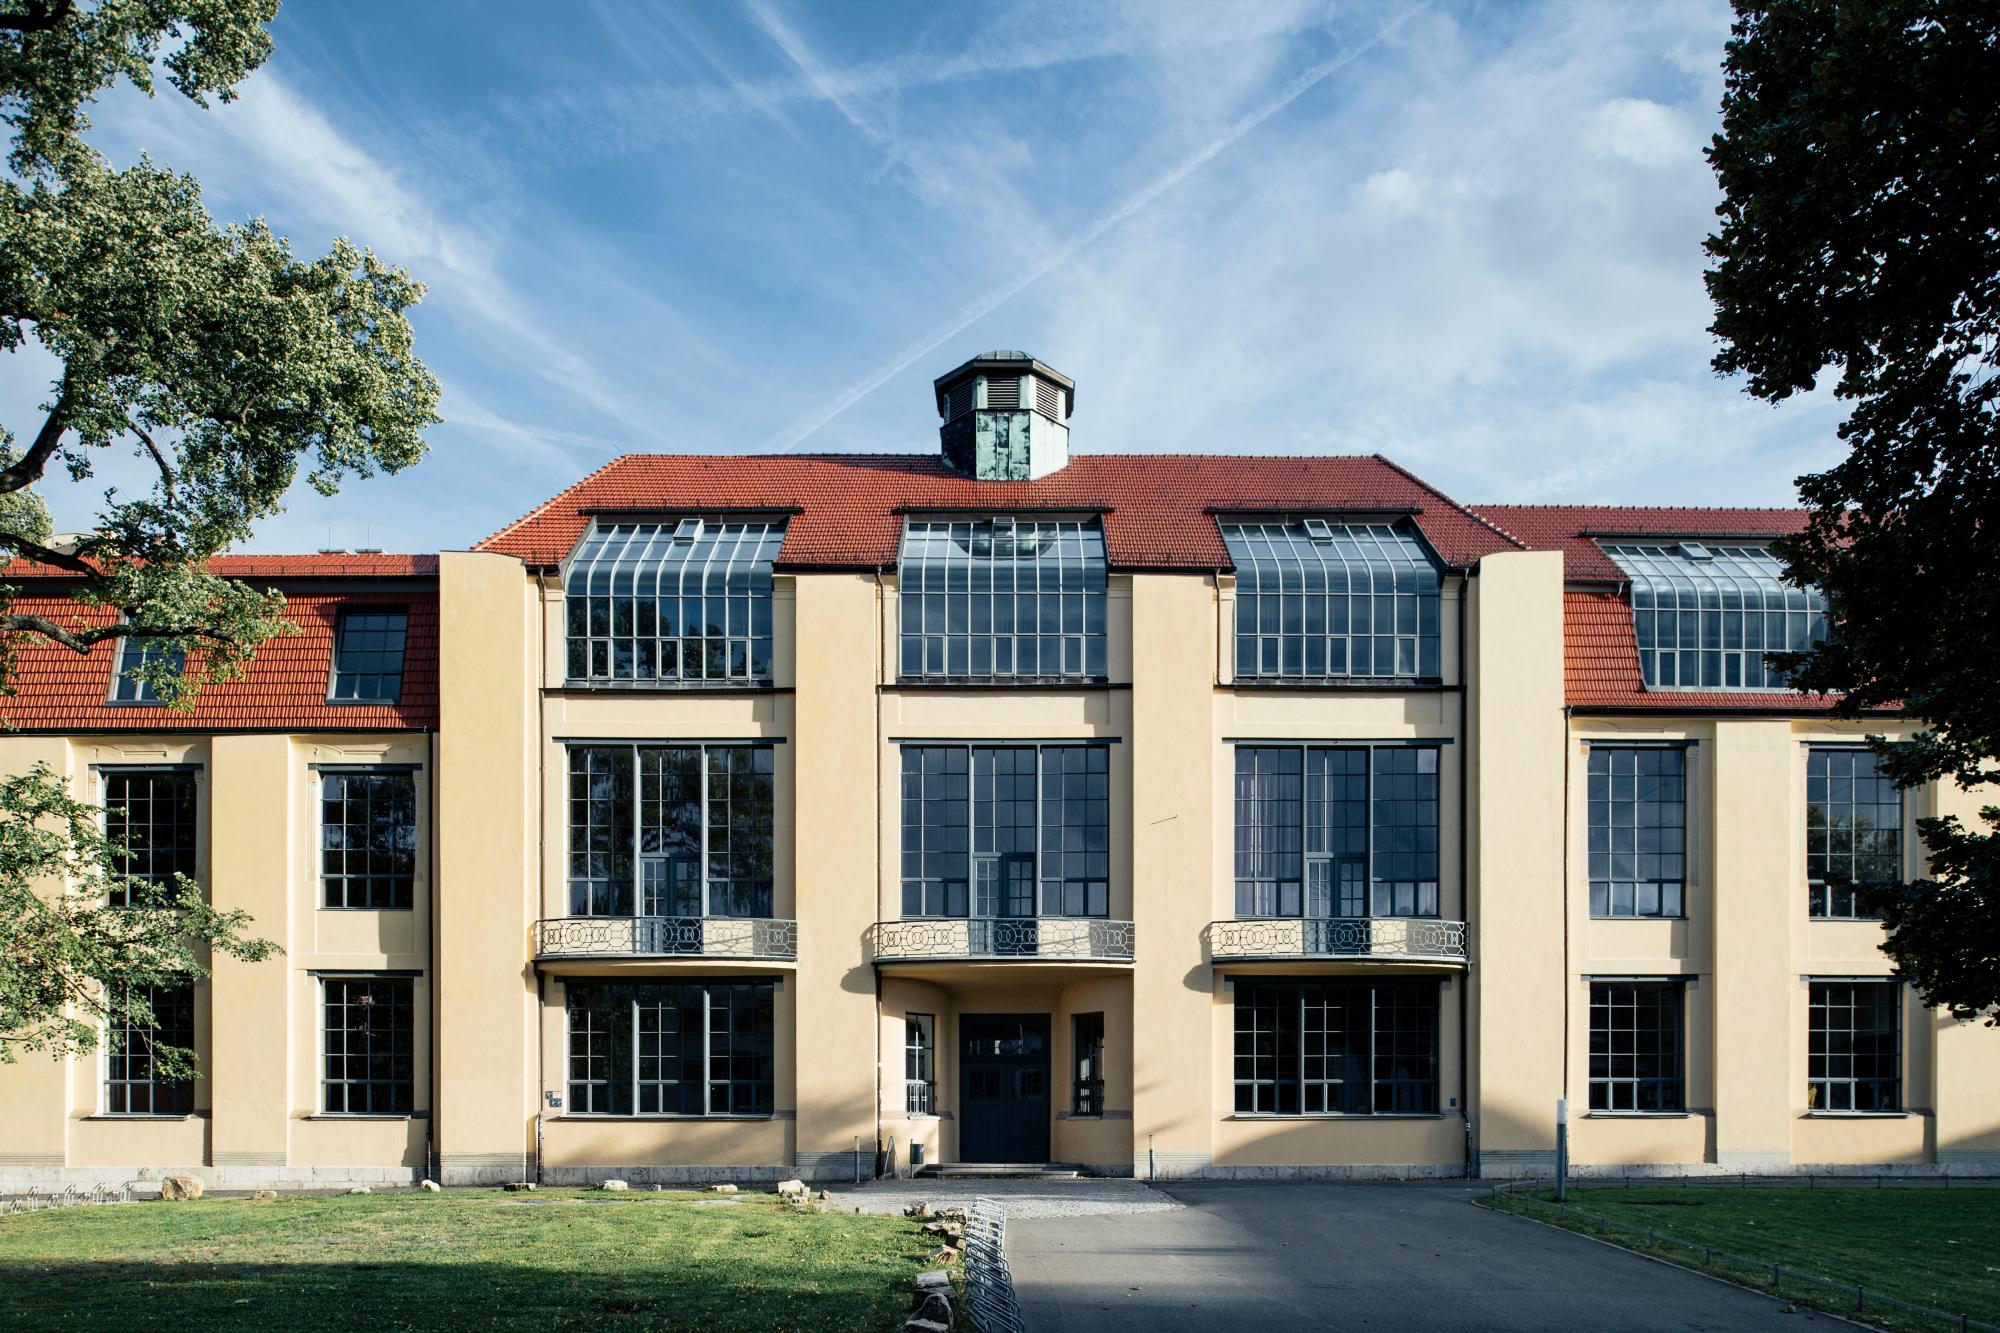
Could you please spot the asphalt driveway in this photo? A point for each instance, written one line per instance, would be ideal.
(1353, 1256)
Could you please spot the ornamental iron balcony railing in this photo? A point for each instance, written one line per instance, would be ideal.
(1002, 939)
(667, 937)
(1388, 939)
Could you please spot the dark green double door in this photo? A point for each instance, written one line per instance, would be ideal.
(1004, 1088)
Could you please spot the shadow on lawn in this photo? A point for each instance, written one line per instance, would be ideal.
(357, 1293)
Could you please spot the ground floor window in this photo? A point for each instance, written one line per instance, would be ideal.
(920, 1063)
(369, 1046)
(1087, 1051)
(1638, 1047)
(694, 1048)
(1854, 1055)
(1336, 1047)
(132, 1082)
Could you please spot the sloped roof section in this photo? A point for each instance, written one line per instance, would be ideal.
(284, 687)
(1601, 667)
(1574, 529)
(847, 509)
(322, 565)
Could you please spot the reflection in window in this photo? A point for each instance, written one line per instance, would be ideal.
(681, 600)
(1002, 598)
(699, 1048)
(1854, 829)
(132, 1082)
(1854, 1055)
(149, 817)
(920, 1063)
(1637, 1047)
(1705, 615)
(1638, 830)
(1336, 1047)
(370, 1046)
(695, 839)
(368, 655)
(1320, 600)
(136, 655)
(1336, 831)
(987, 827)
(368, 839)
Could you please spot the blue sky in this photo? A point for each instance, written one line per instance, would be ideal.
(1466, 236)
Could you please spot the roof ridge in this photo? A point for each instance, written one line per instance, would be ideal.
(1657, 509)
(537, 511)
(1463, 509)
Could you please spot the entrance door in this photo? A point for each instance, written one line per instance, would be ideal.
(1003, 1103)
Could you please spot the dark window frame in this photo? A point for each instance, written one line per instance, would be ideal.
(710, 842)
(634, 588)
(1622, 897)
(920, 1081)
(129, 1074)
(1835, 860)
(345, 680)
(1626, 1018)
(1307, 1056)
(976, 845)
(620, 1073)
(1707, 622)
(1300, 616)
(378, 889)
(1852, 1069)
(1086, 1058)
(973, 603)
(1322, 864)
(369, 1019)
(184, 853)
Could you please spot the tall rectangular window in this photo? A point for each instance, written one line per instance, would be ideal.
(984, 826)
(1705, 616)
(1638, 830)
(681, 601)
(1330, 601)
(1638, 1046)
(150, 815)
(369, 1036)
(1087, 1053)
(685, 1049)
(1336, 831)
(691, 837)
(1002, 599)
(368, 838)
(920, 1064)
(368, 655)
(135, 655)
(1854, 1053)
(132, 1082)
(1854, 829)
(1336, 1047)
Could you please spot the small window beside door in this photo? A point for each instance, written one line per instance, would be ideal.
(1087, 1055)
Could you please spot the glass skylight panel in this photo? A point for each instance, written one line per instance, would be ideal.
(1002, 598)
(1323, 600)
(676, 600)
(1704, 621)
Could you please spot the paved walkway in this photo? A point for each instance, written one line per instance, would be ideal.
(1353, 1256)
(1083, 1197)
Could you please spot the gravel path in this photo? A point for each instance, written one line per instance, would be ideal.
(1023, 1198)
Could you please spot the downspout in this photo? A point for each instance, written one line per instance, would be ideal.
(541, 667)
(1569, 983)
(1464, 884)
(875, 889)
(433, 1152)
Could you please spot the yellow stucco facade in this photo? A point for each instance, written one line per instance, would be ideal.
(1511, 961)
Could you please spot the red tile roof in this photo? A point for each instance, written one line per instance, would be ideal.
(847, 508)
(1573, 529)
(283, 688)
(325, 565)
(1601, 667)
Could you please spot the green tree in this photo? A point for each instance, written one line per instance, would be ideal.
(222, 360)
(1859, 160)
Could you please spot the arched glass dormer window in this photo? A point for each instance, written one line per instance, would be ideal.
(678, 600)
(1319, 599)
(1002, 599)
(1705, 615)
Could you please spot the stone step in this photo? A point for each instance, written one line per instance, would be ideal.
(997, 1171)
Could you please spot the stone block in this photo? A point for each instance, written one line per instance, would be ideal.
(792, 1189)
(429, 1186)
(722, 1189)
(615, 1186)
(180, 1187)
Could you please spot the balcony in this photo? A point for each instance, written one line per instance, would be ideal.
(1340, 939)
(746, 938)
(1002, 939)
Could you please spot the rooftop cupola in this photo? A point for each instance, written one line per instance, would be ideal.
(1005, 417)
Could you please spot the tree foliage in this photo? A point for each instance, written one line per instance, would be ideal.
(223, 361)
(1859, 160)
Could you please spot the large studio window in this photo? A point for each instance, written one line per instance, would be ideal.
(670, 830)
(1331, 601)
(680, 601)
(1336, 1047)
(991, 830)
(1002, 599)
(690, 1049)
(1336, 831)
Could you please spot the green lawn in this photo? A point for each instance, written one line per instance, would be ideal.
(553, 1259)
(1933, 1247)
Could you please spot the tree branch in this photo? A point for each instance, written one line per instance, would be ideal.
(26, 470)
(166, 473)
(39, 18)
(48, 555)
(82, 640)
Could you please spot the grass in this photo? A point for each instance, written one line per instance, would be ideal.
(554, 1259)
(1929, 1247)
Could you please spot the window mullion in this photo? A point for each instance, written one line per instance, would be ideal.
(702, 820)
(638, 871)
(633, 1087)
